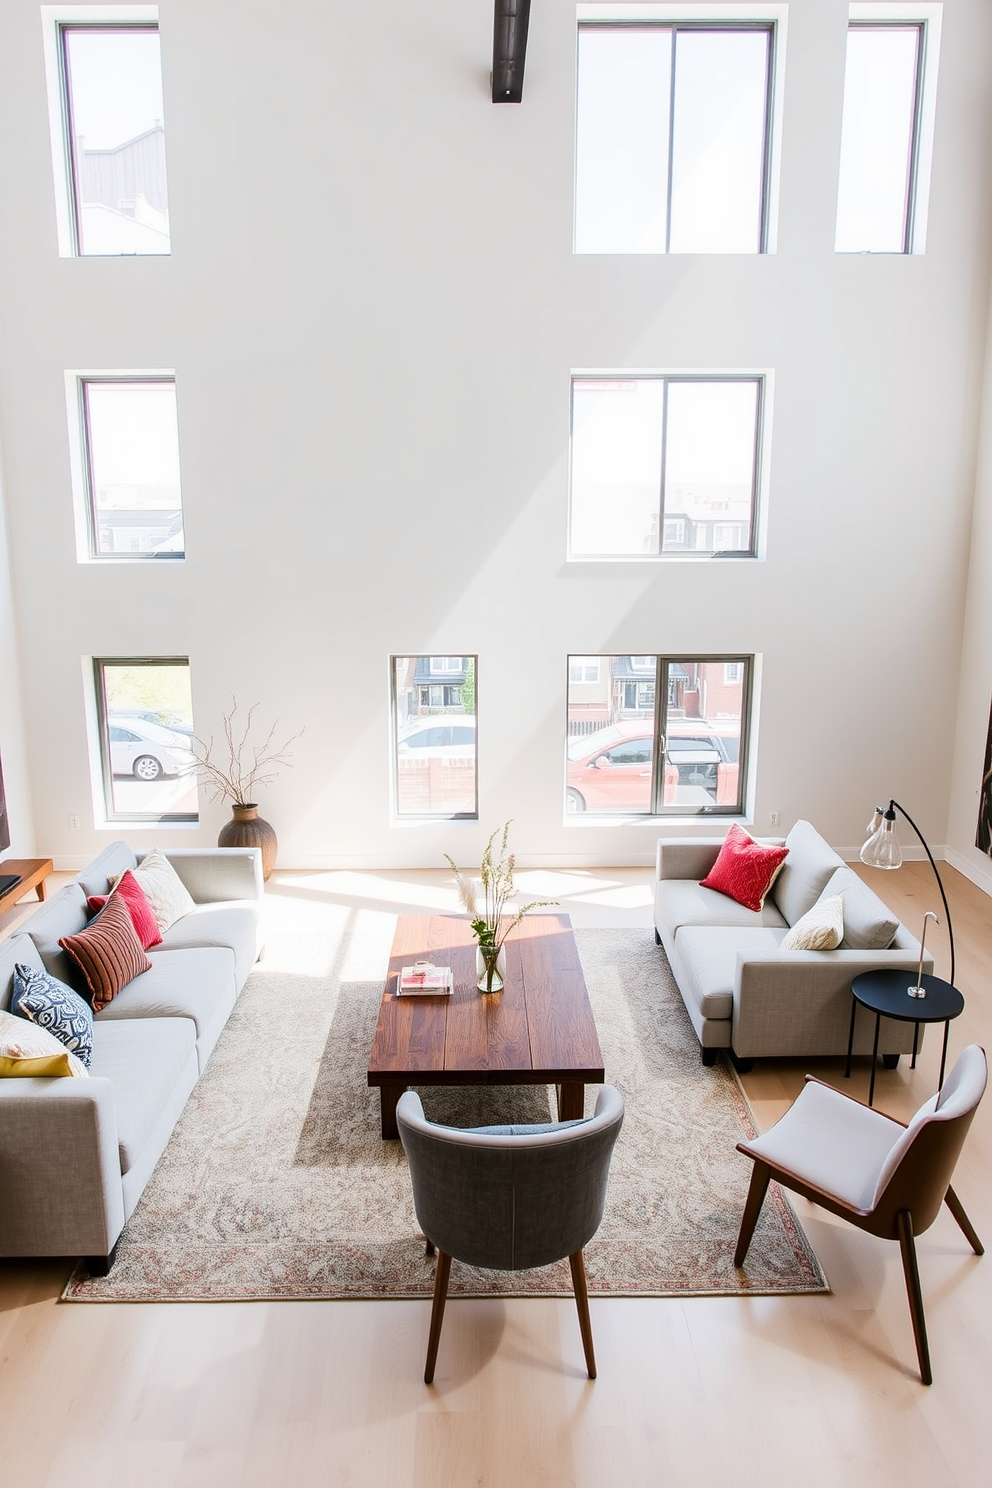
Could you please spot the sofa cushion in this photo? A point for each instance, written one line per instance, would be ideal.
(233, 924)
(197, 984)
(107, 952)
(805, 871)
(30, 1052)
(708, 958)
(164, 889)
(868, 924)
(681, 901)
(51, 1004)
(145, 924)
(64, 914)
(114, 860)
(820, 929)
(18, 949)
(144, 1060)
(745, 869)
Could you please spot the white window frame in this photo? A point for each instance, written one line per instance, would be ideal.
(446, 666)
(760, 505)
(53, 18)
(83, 514)
(776, 16)
(928, 17)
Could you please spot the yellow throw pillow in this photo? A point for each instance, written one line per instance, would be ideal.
(27, 1051)
(820, 929)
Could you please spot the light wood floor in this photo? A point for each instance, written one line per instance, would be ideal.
(766, 1391)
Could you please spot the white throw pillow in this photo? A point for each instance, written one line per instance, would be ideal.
(165, 891)
(820, 929)
(27, 1050)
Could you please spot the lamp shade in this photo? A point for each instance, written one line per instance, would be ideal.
(882, 848)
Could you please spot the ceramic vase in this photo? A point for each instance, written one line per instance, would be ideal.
(247, 829)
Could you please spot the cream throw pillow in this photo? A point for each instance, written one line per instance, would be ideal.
(167, 895)
(27, 1050)
(820, 929)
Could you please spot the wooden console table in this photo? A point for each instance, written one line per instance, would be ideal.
(32, 871)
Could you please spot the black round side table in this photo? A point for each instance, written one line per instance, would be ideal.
(885, 994)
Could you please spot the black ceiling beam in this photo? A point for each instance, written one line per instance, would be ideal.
(510, 23)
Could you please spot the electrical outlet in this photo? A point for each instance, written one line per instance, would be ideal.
(774, 818)
(74, 822)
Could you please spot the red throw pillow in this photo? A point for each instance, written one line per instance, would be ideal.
(745, 870)
(138, 908)
(107, 952)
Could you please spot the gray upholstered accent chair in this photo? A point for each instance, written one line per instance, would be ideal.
(884, 1177)
(509, 1198)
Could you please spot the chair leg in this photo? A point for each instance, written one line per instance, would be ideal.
(582, 1307)
(964, 1223)
(437, 1313)
(755, 1198)
(912, 1274)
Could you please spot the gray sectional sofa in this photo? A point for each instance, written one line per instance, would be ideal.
(742, 992)
(76, 1154)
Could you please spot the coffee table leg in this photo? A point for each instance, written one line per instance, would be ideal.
(388, 1099)
(571, 1100)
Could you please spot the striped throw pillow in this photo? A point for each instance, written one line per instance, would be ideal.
(107, 952)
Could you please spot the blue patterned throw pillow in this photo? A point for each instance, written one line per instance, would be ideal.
(48, 1002)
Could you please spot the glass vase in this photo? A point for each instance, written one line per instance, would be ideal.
(490, 966)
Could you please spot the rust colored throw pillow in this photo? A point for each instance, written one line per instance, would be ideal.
(139, 909)
(107, 952)
(745, 870)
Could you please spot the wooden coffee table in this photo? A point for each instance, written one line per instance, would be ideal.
(538, 1031)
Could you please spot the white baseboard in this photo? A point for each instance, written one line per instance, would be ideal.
(976, 873)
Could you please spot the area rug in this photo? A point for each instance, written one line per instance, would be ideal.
(277, 1185)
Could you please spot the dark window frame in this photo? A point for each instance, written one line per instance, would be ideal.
(83, 383)
(167, 818)
(910, 198)
(760, 381)
(770, 27)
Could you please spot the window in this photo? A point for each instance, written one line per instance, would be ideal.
(641, 759)
(145, 723)
(434, 737)
(676, 456)
(108, 130)
(583, 669)
(126, 478)
(887, 130)
(673, 135)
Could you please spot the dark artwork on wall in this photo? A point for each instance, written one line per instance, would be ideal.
(983, 839)
(4, 829)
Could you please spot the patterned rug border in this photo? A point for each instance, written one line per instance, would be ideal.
(294, 1270)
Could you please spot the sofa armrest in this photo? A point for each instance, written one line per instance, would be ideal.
(60, 1175)
(686, 857)
(821, 969)
(213, 874)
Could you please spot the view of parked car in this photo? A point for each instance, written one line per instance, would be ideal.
(146, 750)
(445, 735)
(611, 770)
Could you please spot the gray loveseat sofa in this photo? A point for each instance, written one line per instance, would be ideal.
(741, 991)
(75, 1155)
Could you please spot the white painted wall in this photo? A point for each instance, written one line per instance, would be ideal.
(372, 309)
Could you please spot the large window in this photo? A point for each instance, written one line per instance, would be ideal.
(128, 502)
(434, 736)
(673, 136)
(145, 722)
(664, 466)
(108, 125)
(669, 737)
(886, 136)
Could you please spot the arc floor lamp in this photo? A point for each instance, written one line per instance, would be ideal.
(882, 850)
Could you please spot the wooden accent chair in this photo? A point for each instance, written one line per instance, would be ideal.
(884, 1177)
(509, 1198)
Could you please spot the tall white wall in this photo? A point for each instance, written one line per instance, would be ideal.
(372, 308)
